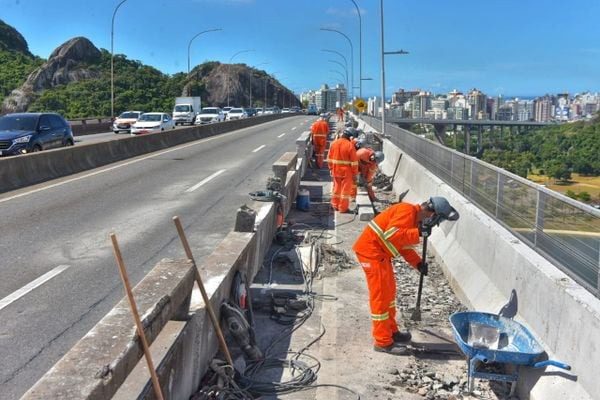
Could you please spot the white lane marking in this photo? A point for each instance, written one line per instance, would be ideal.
(293, 128)
(129, 163)
(16, 295)
(205, 180)
(281, 134)
(259, 148)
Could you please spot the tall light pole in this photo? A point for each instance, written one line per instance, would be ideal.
(195, 36)
(251, 73)
(359, 48)
(112, 67)
(351, 55)
(229, 69)
(341, 65)
(383, 54)
(339, 54)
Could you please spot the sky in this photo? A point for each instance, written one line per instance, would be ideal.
(502, 47)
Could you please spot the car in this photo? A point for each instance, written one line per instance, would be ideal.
(260, 111)
(152, 122)
(226, 111)
(251, 111)
(285, 111)
(125, 120)
(269, 110)
(237, 113)
(210, 115)
(22, 133)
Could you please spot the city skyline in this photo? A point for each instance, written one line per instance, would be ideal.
(512, 48)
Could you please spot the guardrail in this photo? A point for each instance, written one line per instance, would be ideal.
(33, 168)
(563, 230)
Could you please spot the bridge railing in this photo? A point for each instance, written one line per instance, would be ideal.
(563, 230)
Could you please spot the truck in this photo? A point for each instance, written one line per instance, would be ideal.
(312, 109)
(186, 109)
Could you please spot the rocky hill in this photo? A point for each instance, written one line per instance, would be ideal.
(75, 81)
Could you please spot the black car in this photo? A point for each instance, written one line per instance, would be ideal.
(28, 132)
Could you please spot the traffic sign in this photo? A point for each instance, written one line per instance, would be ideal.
(360, 105)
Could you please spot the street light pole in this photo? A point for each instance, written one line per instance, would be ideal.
(112, 67)
(359, 48)
(341, 65)
(229, 70)
(190, 43)
(351, 55)
(383, 54)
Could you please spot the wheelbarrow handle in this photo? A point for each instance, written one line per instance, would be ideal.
(555, 363)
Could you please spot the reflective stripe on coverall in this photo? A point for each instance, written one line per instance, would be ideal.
(343, 164)
(319, 131)
(393, 232)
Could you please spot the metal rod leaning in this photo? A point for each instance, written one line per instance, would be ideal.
(211, 313)
(136, 316)
(416, 315)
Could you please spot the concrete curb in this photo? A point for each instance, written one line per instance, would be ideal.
(34, 168)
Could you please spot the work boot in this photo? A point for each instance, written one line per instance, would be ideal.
(393, 349)
(401, 337)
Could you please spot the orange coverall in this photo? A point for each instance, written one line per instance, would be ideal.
(367, 168)
(319, 131)
(343, 165)
(340, 114)
(393, 232)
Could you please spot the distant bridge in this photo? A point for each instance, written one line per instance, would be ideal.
(441, 126)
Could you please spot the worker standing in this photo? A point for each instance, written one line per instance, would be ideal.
(340, 114)
(368, 161)
(319, 131)
(394, 232)
(343, 165)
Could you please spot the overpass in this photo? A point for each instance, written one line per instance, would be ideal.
(512, 235)
(441, 127)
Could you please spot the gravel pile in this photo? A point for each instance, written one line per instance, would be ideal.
(435, 378)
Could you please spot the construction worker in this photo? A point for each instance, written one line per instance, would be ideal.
(319, 131)
(391, 233)
(368, 161)
(343, 165)
(340, 114)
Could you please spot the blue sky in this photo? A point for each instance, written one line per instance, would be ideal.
(509, 47)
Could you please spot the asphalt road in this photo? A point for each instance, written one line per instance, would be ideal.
(56, 235)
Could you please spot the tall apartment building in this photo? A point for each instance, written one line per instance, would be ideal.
(543, 109)
(421, 103)
(400, 97)
(477, 104)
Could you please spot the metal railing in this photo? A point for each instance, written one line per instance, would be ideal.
(564, 231)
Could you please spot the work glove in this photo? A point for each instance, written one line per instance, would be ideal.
(423, 267)
(424, 229)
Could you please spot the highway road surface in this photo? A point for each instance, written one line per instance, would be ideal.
(58, 275)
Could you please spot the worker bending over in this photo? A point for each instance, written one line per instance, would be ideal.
(368, 161)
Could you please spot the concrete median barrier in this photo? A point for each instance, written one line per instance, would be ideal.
(21, 171)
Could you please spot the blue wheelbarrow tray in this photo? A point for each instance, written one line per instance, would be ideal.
(517, 346)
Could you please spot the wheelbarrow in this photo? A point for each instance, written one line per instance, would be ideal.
(489, 338)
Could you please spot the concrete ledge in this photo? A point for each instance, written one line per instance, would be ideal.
(98, 364)
(484, 262)
(285, 163)
(29, 169)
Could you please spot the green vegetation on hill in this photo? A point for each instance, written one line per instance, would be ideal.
(15, 67)
(137, 87)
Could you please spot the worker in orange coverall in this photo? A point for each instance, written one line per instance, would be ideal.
(394, 232)
(368, 160)
(340, 114)
(343, 165)
(319, 131)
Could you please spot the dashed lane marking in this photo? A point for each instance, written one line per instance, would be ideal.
(282, 134)
(293, 128)
(16, 295)
(205, 180)
(259, 148)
